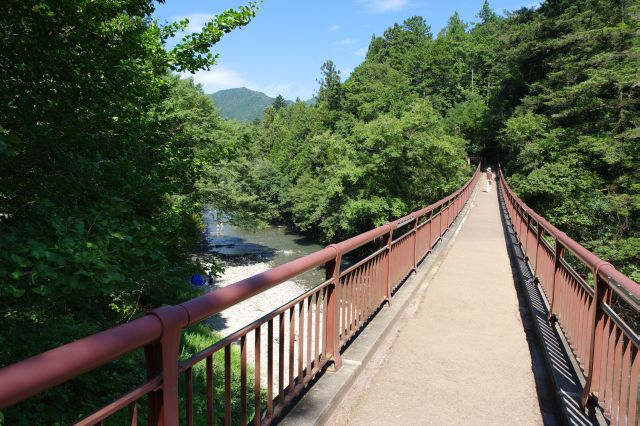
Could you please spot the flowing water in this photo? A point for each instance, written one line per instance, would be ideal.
(241, 251)
(244, 253)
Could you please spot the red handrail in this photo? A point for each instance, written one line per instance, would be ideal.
(606, 270)
(159, 331)
(606, 347)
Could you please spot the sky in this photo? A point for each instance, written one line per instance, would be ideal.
(282, 49)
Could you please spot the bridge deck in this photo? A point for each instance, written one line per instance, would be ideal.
(463, 357)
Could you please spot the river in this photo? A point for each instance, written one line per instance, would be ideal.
(244, 253)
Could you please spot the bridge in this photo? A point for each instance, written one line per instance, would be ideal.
(473, 310)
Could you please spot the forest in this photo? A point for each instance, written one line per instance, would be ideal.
(107, 157)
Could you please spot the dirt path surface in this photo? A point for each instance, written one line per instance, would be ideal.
(463, 357)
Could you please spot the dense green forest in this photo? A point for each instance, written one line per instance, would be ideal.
(551, 93)
(100, 154)
(106, 158)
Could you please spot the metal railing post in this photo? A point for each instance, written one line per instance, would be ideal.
(415, 244)
(557, 255)
(601, 294)
(428, 224)
(387, 265)
(162, 360)
(526, 237)
(332, 316)
(539, 235)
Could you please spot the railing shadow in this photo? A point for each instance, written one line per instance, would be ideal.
(558, 385)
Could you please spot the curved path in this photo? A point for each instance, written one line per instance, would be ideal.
(463, 357)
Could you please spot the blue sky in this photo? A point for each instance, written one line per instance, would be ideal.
(282, 49)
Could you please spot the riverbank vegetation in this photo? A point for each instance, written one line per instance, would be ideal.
(106, 158)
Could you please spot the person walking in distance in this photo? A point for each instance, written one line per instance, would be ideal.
(489, 176)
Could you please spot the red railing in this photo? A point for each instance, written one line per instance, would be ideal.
(299, 338)
(605, 345)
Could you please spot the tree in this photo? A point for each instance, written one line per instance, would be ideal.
(97, 175)
(279, 103)
(486, 14)
(330, 93)
(330, 90)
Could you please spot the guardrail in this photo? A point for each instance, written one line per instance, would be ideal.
(605, 346)
(309, 331)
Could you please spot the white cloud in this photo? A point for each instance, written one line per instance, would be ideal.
(334, 28)
(218, 78)
(362, 52)
(347, 41)
(383, 6)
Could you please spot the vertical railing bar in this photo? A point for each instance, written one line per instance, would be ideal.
(300, 340)
(309, 331)
(604, 350)
(613, 342)
(227, 384)
(270, 368)
(624, 385)
(292, 327)
(415, 244)
(256, 381)
(325, 328)
(209, 368)
(365, 290)
(557, 255)
(632, 415)
(133, 413)
(189, 405)
(316, 358)
(357, 295)
(243, 380)
(387, 266)
(281, 358)
(370, 298)
(617, 371)
(349, 308)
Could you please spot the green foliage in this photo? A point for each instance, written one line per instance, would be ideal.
(571, 143)
(552, 92)
(371, 150)
(98, 174)
(468, 119)
(279, 103)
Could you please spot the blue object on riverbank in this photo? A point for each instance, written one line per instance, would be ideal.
(197, 280)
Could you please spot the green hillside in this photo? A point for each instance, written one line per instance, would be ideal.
(244, 104)
(241, 104)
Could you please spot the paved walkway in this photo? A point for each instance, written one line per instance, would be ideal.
(463, 357)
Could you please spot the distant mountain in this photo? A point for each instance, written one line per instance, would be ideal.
(244, 104)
